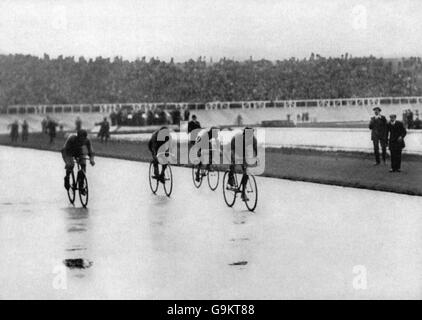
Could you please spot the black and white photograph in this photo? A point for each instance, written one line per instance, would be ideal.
(210, 150)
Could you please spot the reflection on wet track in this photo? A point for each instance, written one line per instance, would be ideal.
(303, 241)
(77, 250)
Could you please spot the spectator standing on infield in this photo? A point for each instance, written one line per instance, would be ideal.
(104, 132)
(409, 119)
(44, 125)
(175, 115)
(78, 124)
(239, 120)
(14, 131)
(51, 126)
(25, 131)
(378, 126)
(113, 118)
(396, 133)
(417, 124)
(186, 114)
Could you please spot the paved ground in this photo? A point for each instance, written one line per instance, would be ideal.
(303, 241)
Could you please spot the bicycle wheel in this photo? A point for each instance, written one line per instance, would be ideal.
(71, 192)
(84, 192)
(251, 193)
(213, 178)
(168, 181)
(229, 192)
(197, 184)
(153, 183)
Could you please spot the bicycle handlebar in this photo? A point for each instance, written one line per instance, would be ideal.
(78, 159)
(167, 154)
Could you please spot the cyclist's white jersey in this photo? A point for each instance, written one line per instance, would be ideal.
(226, 138)
(203, 136)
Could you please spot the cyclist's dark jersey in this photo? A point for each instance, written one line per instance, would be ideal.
(242, 153)
(154, 144)
(193, 125)
(73, 147)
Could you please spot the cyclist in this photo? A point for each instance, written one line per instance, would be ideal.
(73, 148)
(156, 143)
(242, 156)
(202, 137)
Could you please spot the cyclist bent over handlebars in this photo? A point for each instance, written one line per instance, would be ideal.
(73, 148)
(157, 140)
(245, 153)
(206, 135)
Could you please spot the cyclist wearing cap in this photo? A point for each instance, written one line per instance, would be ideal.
(155, 146)
(73, 148)
(202, 138)
(242, 155)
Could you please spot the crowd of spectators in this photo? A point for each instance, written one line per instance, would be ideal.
(49, 127)
(157, 116)
(28, 79)
(411, 119)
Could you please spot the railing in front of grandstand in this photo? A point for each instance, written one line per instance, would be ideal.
(216, 105)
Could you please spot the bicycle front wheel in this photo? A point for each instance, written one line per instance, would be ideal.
(229, 192)
(251, 192)
(168, 181)
(197, 184)
(153, 183)
(83, 190)
(213, 178)
(71, 192)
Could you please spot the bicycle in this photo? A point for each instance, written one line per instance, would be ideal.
(155, 181)
(213, 176)
(80, 184)
(248, 189)
(208, 170)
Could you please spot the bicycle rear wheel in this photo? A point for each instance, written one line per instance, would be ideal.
(229, 192)
(153, 183)
(168, 181)
(84, 191)
(197, 184)
(71, 192)
(251, 193)
(213, 178)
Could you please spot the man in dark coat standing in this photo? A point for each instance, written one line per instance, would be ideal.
(378, 126)
(25, 131)
(193, 127)
(186, 114)
(396, 133)
(51, 126)
(14, 131)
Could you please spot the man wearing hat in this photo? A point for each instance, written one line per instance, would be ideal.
(395, 133)
(378, 126)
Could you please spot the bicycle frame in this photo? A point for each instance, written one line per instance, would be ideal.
(240, 187)
(167, 187)
(76, 183)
